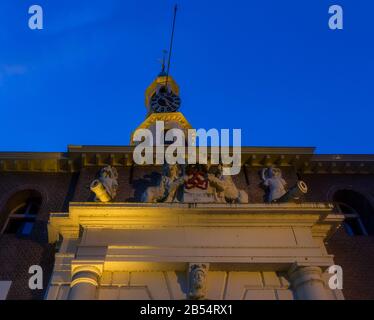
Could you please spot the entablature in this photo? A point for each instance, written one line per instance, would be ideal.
(83, 215)
(77, 157)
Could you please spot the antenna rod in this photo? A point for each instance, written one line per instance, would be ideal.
(171, 44)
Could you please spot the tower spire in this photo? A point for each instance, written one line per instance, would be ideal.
(163, 64)
(171, 44)
(162, 96)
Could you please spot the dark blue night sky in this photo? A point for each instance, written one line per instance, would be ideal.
(271, 68)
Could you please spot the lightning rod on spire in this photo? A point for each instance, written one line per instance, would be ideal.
(171, 44)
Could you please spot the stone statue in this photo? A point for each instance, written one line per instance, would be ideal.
(224, 188)
(105, 187)
(168, 187)
(272, 178)
(197, 280)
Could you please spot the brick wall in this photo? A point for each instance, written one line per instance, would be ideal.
(323, 186)
(354, 253)
(18, 254)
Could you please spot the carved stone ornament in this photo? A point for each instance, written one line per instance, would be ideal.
(199, 186)
(106, 185)
(197, 276)
(276, 185)
(166, 190)
(272, 179)
(224, 188)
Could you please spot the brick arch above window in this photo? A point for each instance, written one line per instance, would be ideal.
(337, 187)
(24, 187)
(20, 208)
(357, 208)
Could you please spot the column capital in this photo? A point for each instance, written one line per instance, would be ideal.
(307, 282)
(85, 274)
(301, 274)
(91, 268)
(85, 280)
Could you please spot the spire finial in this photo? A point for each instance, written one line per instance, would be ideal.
(163, 63)
(171, 42)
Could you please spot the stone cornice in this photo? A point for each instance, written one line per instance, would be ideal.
(302, 159)
(143, 216)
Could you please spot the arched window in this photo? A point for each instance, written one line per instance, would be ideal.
(20, 213)
(359, 214)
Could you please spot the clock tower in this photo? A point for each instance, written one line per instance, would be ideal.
(162, 101)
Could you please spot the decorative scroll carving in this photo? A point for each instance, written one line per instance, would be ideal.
(272, 179)
(105, 187)
(198, 273)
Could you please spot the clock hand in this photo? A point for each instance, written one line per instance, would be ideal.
(168, 98)
(168, 102)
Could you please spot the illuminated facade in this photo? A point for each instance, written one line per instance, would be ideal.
(129, 240)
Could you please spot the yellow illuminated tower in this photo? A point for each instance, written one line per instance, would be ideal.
(162, 101)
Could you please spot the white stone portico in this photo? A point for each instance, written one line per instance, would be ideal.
(144, 250)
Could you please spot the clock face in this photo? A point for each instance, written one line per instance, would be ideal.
(165, 101)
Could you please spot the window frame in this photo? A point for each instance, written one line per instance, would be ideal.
(353, 216)
(23, 216)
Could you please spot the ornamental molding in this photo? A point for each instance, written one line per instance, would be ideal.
(302, 159)
(83, 215)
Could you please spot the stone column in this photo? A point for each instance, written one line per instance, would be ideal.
(84, 283)
(307, 283)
